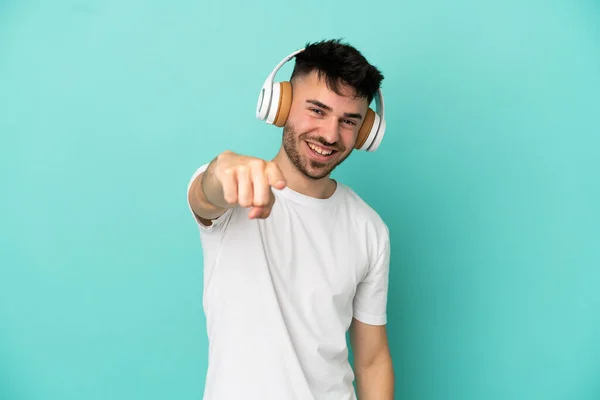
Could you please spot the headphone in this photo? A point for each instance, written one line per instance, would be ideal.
(275, 100)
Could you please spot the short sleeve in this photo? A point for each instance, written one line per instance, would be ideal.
(218, 223)
(370, 300)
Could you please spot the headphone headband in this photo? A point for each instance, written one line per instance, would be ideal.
(271, 77)
(266, 92)
(270, 98)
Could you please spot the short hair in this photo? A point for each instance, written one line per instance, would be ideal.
(339, 63)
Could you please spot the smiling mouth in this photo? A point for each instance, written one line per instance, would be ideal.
(320, 151)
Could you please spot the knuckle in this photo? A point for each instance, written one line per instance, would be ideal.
(257, 165)
(258, 162)
(242, 169)
(228, 171)
(224, 155)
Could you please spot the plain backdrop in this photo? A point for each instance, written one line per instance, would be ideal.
(488, 178)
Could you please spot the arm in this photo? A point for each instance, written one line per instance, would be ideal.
(372, 361)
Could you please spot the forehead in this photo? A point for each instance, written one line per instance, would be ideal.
(314, 87)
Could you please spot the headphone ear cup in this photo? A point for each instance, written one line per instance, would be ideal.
(285, 104)
(365, 129)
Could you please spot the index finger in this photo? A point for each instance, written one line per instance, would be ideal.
(275, 176)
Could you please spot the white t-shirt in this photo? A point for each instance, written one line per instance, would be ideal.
(280, 294)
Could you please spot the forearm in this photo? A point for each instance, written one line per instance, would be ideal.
(376, 381)
(206, 194)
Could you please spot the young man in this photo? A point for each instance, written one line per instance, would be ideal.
(292, 258)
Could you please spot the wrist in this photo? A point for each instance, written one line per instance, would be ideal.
(208, 190)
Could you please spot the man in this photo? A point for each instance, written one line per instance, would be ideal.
(292, 258)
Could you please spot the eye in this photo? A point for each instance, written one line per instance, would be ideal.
(316, 110)
(350, 122)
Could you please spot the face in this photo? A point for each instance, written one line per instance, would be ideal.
(322, 126)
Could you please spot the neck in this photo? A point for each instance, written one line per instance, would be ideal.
(319, 188)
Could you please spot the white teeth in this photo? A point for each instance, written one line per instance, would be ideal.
(320, 150)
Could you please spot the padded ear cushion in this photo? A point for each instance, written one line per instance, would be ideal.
(365, 129)
(285, 103)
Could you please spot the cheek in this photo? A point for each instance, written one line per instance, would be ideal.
(302, 124)
(349, 138)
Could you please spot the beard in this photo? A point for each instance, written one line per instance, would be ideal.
(310, 168)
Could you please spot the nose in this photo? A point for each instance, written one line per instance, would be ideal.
(330, 131)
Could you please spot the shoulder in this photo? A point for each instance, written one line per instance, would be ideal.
(365, 218)
(364, 211)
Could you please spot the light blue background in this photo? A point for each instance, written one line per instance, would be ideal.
(488, 178)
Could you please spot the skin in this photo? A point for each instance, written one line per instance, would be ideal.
(321, 117)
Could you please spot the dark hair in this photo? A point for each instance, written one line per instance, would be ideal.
(340, 63)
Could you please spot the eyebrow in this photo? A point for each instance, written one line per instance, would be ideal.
(326, 107)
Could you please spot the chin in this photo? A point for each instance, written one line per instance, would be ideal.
(313, 162)
(316, 167)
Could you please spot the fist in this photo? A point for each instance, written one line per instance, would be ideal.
(247, 182)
